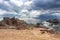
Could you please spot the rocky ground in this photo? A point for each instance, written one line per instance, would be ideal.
(34, 34)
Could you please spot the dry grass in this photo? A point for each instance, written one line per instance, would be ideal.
(35, 34)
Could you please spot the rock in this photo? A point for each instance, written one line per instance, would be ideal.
(7, 20)
(48, 31)
(13, 22)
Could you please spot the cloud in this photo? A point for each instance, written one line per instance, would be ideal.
(24, 10)
(30, 14)
(2, 12)
(31, 20)
(17, 2)
(46, 4)
(35, 13)
(44, 17)
(30, 8)
(28, 3)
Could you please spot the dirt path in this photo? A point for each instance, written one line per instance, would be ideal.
(11, 34)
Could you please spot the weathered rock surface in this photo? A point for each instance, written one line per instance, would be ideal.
(8, 22)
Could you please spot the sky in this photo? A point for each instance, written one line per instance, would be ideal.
(31, 10)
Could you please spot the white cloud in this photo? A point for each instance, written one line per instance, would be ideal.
(11, 13)
(21, 2)
(24, 10)
(56, 14)
(6, 12)
(31, 20)
(17, 2)
(24, 13)
(2, 12)
(1, 1)
(28, 3)
(7, 3)
(30, 14)
(35, 13)
(24, 16)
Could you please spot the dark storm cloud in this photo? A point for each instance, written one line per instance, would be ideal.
(46, 17)
(46, 4)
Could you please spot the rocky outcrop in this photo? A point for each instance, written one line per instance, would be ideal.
(7, 21)
(13, 22)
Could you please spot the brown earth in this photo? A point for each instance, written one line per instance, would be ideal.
(34, 34)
